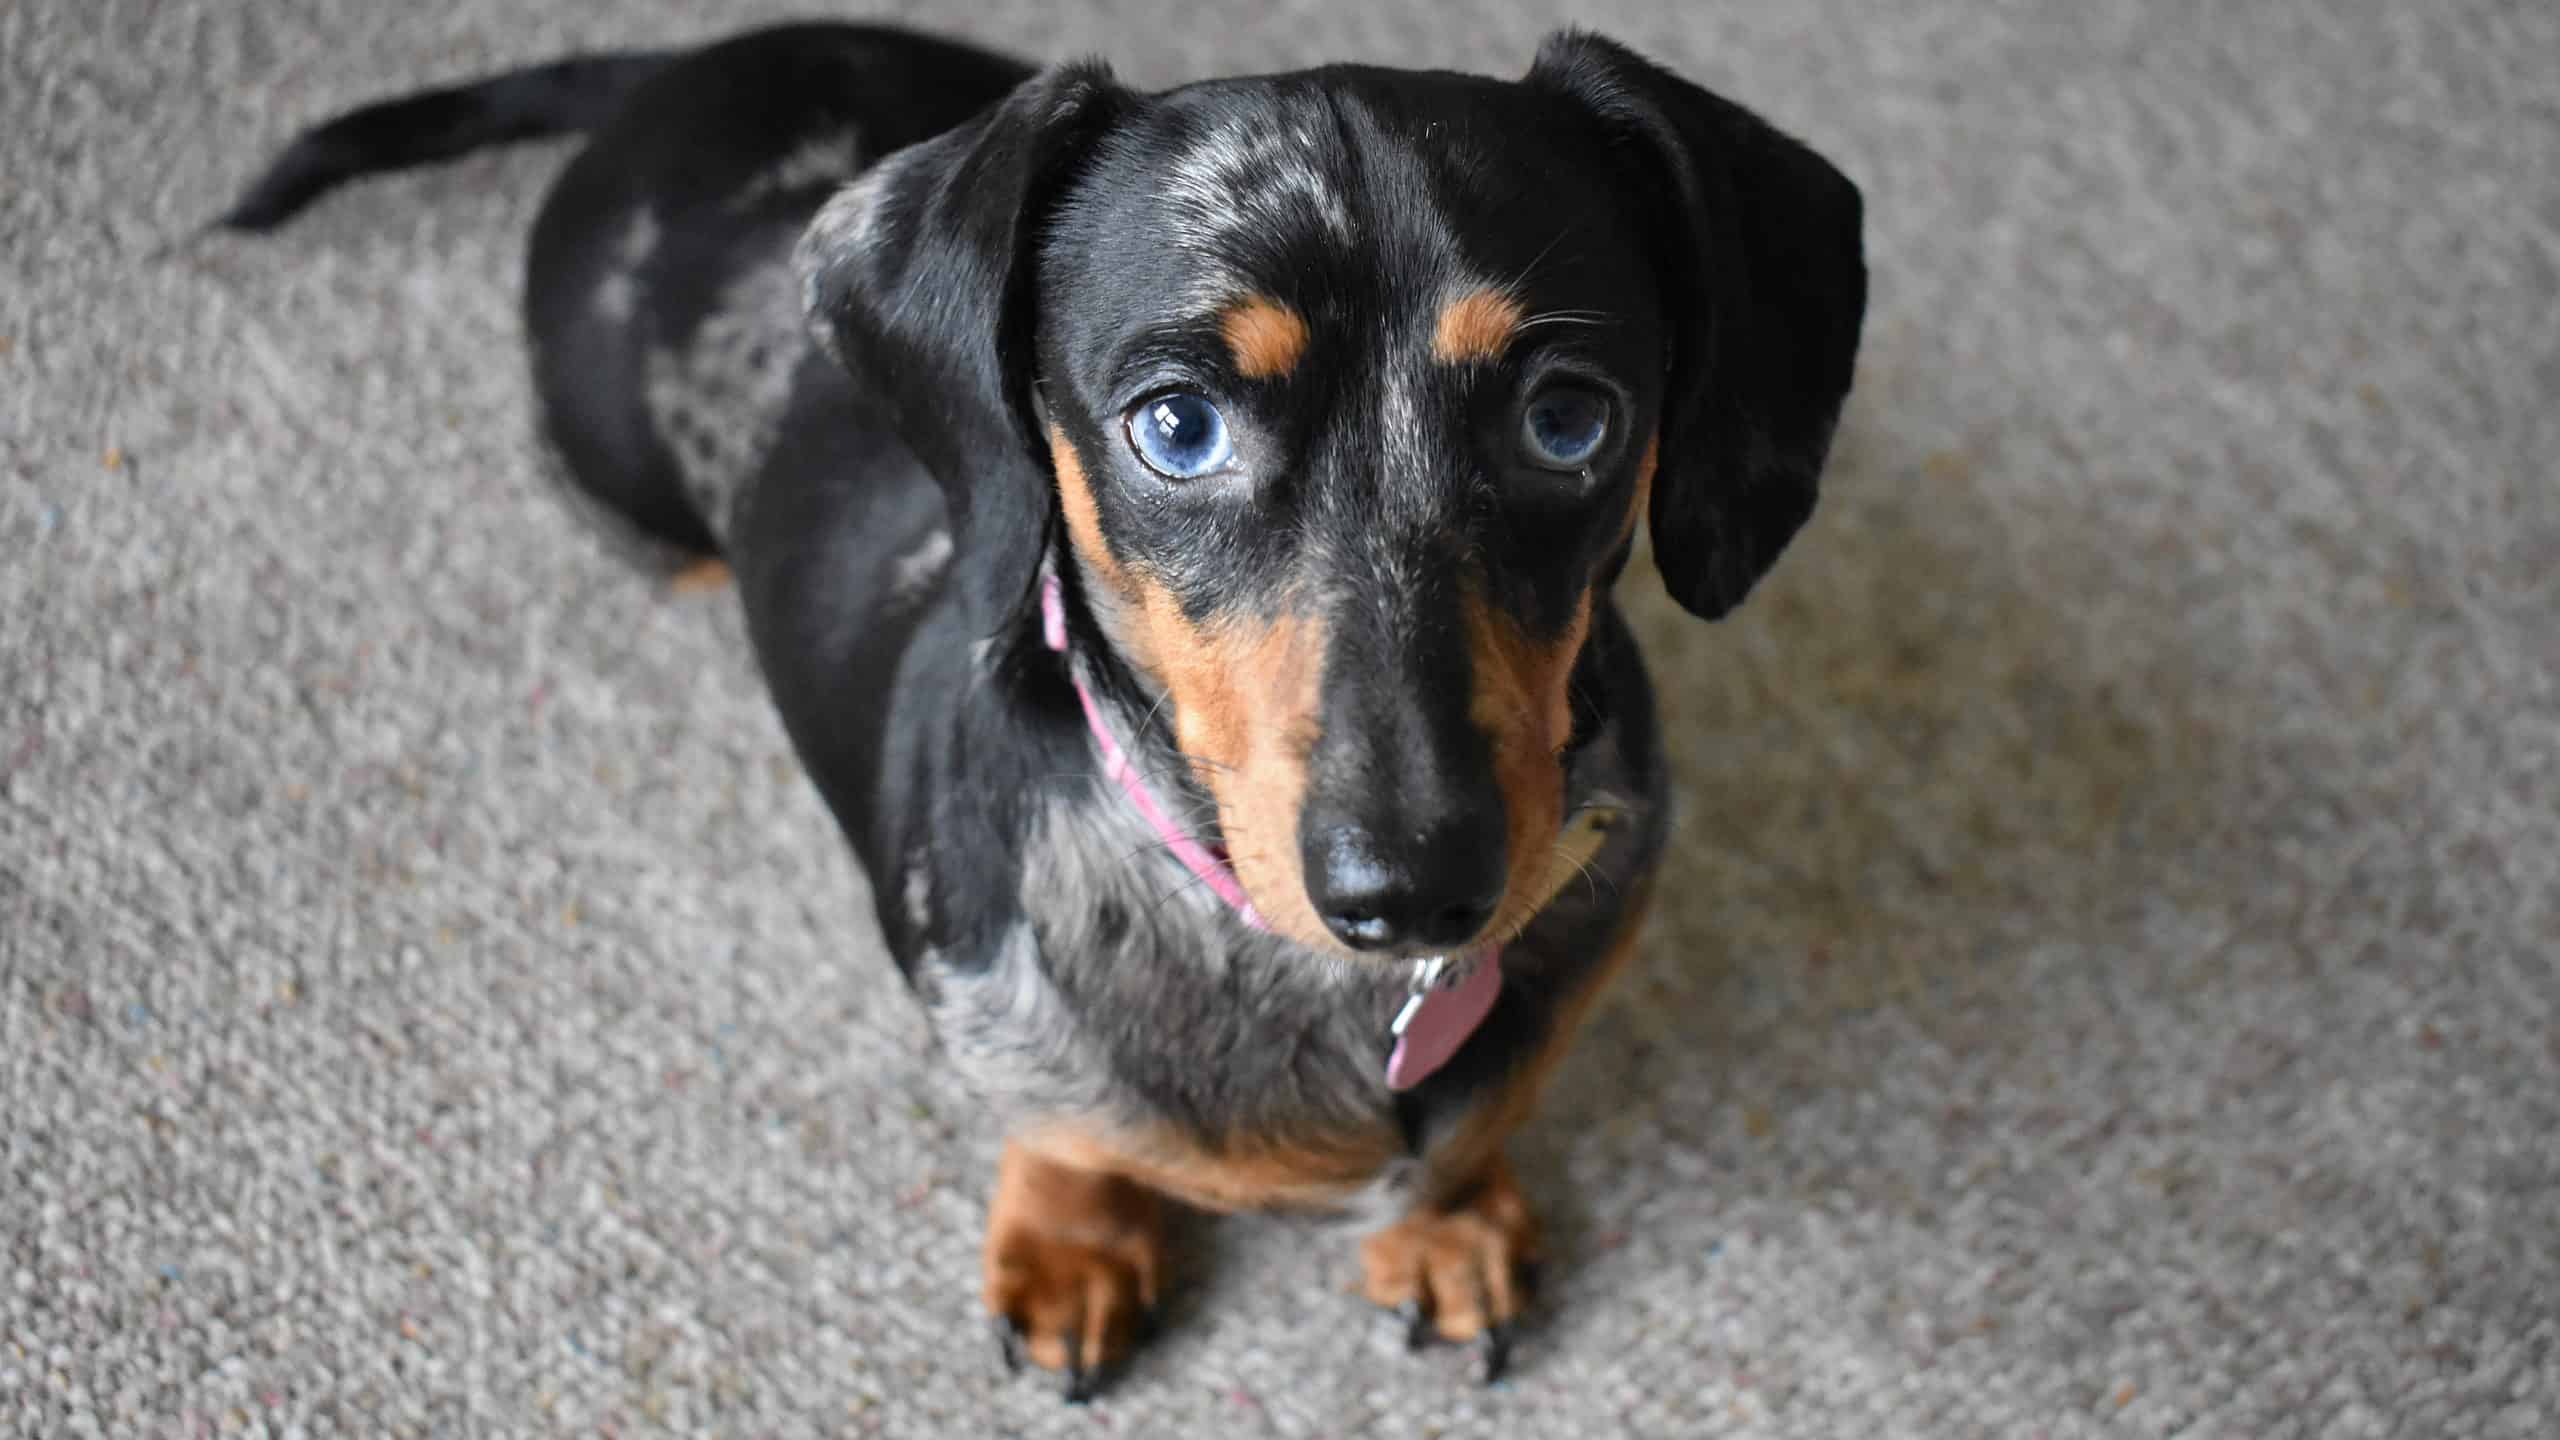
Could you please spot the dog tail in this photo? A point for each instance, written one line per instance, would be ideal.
(556, 99)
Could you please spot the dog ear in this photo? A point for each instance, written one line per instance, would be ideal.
(919, 279)
(1764, 285)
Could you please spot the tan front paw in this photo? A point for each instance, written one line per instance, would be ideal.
(1461, 1272)
(1071, 1264)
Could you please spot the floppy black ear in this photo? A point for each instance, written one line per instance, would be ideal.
(1765, 280)
(918, 278)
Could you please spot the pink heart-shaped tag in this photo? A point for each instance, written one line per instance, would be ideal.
(1442, 1024)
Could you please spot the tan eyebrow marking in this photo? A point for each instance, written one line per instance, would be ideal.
(1475, 327)
(1265, 337)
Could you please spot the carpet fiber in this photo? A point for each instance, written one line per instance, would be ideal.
(2106, 984)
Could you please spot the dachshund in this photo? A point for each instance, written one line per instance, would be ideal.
(1179, 532)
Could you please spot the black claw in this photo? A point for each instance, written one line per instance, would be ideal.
(1009, 1344)
(1080, 1382)
(1418, 1329)
(1496, 1348)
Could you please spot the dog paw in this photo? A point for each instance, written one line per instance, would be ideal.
(1463, 1273)
(1071, 1265)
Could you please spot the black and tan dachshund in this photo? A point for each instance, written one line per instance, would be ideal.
(1178, 531)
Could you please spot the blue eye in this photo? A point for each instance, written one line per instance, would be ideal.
(1564, 427)
(1181, 436)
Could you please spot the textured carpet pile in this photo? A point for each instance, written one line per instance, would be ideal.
(2107, 980)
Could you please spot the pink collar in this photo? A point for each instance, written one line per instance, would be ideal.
(1433, 1023)
(1209, 866)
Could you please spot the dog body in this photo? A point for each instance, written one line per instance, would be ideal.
(1282, 436)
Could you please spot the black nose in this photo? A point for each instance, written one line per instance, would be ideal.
(1437, 893)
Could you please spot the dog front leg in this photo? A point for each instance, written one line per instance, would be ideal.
(1072, 1262)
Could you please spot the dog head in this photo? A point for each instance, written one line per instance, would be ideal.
(1347, 390)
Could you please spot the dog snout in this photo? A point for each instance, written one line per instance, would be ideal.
(1381, 889)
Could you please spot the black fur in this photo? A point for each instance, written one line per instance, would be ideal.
(556, 99)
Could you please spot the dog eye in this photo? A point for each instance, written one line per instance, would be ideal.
(1180, 436)
(1564, 427)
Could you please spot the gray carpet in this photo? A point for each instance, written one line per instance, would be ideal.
(2107, 987)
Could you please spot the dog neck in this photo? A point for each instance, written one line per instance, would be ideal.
(1447, 1003)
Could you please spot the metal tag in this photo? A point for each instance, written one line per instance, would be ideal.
(1426, 974)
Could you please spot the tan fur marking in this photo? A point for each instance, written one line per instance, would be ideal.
(1523, 704)
(1475, 327)
(1245, 715)
(700, 577)
(1084, 518)
(1264, 337)
(1256, 1174)
(1250, 708)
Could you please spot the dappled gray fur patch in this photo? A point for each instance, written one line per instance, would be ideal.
(844, 227)
(717, 398)
(830, 158)
(1136, 995)
(916, 890)
(1015, 1037)
(913, 574)
(1261, 173)
(617, 296)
